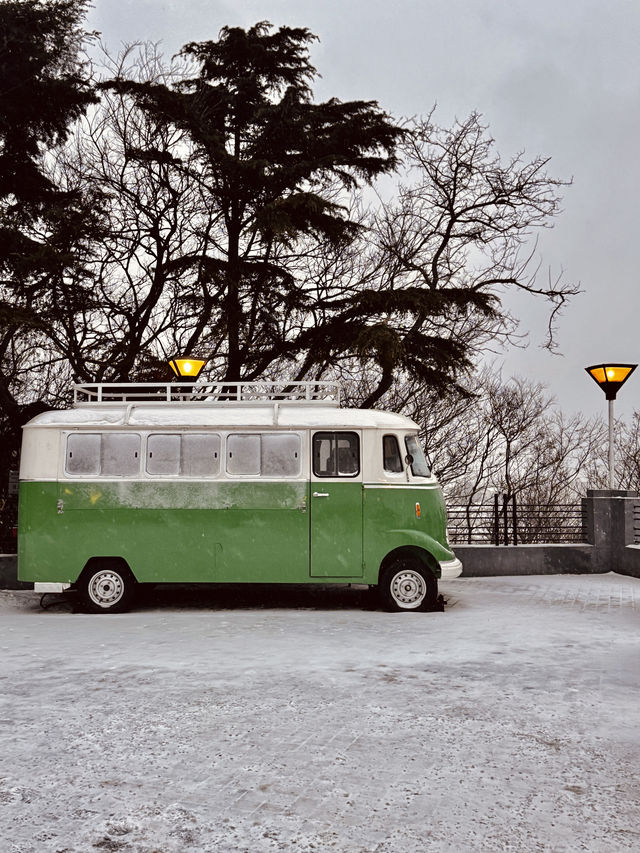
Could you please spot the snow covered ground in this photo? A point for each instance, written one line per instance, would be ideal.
(306, 720)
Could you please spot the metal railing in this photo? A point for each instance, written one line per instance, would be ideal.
(234, 393)
(508, 522)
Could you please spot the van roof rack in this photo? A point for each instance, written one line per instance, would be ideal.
(207, 393)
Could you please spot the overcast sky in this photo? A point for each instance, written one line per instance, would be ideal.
(557, 78)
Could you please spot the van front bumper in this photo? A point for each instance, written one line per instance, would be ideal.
(450, 569)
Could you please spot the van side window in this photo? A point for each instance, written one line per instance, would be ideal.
(391, 454)
(280, 455)
(83, 453)
(336, 454)
(243, 454)
(190, 455)
(269, 454)
(163, 454)
(200, 455)
(110, 454)
(120, 455)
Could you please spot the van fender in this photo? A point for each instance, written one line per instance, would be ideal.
(419, 545)
(96, 562)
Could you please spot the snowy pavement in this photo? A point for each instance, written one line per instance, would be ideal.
(218, 721)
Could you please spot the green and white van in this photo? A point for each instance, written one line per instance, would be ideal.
(227, 483)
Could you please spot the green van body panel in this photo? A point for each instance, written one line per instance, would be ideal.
(391, 522)
(226, 531)
(174, 533)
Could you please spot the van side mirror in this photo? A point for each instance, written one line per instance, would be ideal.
(408, 459)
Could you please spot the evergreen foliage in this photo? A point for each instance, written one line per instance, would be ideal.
(265, 157)
(43, 90)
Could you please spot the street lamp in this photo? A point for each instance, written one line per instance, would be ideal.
(611, 377)
(187, 368)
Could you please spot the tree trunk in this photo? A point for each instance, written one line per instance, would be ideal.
(234, 365)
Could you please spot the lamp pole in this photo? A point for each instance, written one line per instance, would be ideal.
(611, 377)
(612, 470)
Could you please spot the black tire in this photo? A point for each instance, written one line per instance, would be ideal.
(106, 586)
(406, 584)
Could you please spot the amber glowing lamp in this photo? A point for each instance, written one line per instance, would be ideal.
(610, 377)
(187, 368)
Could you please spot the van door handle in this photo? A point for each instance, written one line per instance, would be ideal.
(321, 494)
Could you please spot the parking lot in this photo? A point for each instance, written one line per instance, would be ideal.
(306, 719)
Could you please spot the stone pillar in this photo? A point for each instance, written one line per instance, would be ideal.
(609, 525)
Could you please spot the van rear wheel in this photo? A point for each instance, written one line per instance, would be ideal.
(407, 584)
(106, 587)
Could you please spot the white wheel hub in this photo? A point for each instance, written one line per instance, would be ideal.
(106, 588)
(408, 589)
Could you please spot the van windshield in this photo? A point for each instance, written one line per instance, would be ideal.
(419, 467)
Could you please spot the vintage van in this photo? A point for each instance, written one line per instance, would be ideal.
(227, 483)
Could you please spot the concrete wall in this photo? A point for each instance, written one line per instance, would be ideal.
(486, 560)
(629, 562)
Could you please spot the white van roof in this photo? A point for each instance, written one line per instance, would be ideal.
(281, 415)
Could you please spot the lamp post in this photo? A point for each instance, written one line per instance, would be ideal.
(611, 377)
(187, 368)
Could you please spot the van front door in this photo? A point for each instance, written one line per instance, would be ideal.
(336, 505)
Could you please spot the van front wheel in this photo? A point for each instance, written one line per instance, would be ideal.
(106, 588)
(406, 584)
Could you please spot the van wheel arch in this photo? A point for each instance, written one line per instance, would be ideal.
(106, 585)
(407, 580)
(410, 552)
